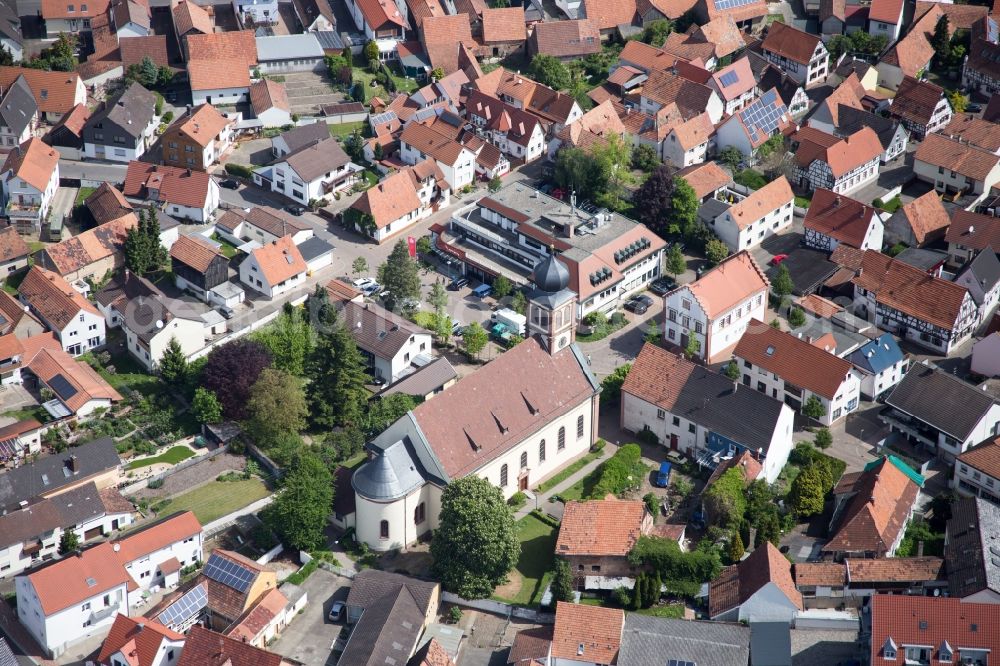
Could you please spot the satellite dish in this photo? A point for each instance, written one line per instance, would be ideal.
(159, 323)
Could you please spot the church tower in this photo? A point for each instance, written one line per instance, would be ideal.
(552, 306)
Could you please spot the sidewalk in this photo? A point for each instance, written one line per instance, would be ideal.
(542, 499)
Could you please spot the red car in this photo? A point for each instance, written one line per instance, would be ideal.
(777, 259)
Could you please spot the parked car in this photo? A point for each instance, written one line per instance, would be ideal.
(777, 259)
(457, 329)
(644, 299)
(226, 311)
(663, 476)
(458, 283)
(295, 210)
(663, 285)
(336, 611)
(636, 306)
(367, 286)
(229, 184)
(973, 108)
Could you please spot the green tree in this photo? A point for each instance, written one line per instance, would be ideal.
(519, 302)
(502, 287)
(371, 55)
(359, 266)
(300, 510)
(676, 263)
(941, 40)
(399, 276)
(732, 371)
(614, 156)
(68, 542)
(424, 246)
(653, 202)
(644, 157)
(823, 439)
(6, 58)
(61, 56)
(736, 548)
(611, 386)
(164, 76)
(813, 408)
(549, 71)
(656, 32)
(438, 299)
(437, 74)
(378, 152)
(693, 347)
(807, 492)
(205, 406)
(495, 184)
(474, 339)
(796, 317)
(290, 340)
(157, 252)
(562, 581)
(335, 392)
(576, 171)
(387, 410)
(354, 145)
(173, 363)
(137, 252)
(958, 101)
(277, 405)
(149, 72)
(725, 500)
(476, 545)
(684, 205)
(782, 284)
(716, 251)
(731, 157)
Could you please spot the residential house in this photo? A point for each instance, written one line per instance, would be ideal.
(910, 56)
(645, 58)
(757, 589)
(91, 254)
(977, 471)
(591, 129)
(891, 133)
(189, 19)
(702, 414)
(832, 219)
(717, 308)
(714, 41)
(219, 66)
(254, 13)
(746, 15)
(203, 646)
(606, 17)
(18, 115)
(791, 92)
(981, 277)
(381, 21)
(30, 177)
(794, 371)
(906, 301)
(269, 100)
(21, 438)
(11, 358)
(552, 107)
(647, 640)
(885, 17)
(182, 193)
(11, 39)
(197, 139)
(854, 581)
(389, 207)
(565, 40)
(311, 173)
(881, 364)
(513, 131)
(748, 220)
(974, 130)
(800, 54)
(261, 625)
(595, 537)
(198, 265)
(275, 268)
(140, 641)
(315, 15)
(749, 129)
(969, 234)
(969, 551)
(78, 391)
(848, 94)
(735, 84)
(32, 533)
(979, 71)
(261, 225)
(448, 43)
(419, 141)
(547, 408)
(956, 168)
(872, 509)
(919, 629)
(389, 343)
(663, 88)
(14, 252)
(688, 143)
(921, 222)
(504, 32)
(388, 612)
(840, 164)
(73, 319)
(67, 134)
(921, 107)
(122, 128)
(708, 180)
(940, 412)
(63, 17)
(586, 635)
(55, 93)
(130, 18)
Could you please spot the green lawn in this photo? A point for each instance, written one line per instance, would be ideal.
(228, 249)
(217, 498)
(673, 611)
(344, 130)
(82, 195)
(568, 472)
(173, 455)
(12, 282)
(538, 543)
(36, 412)
(802, 202)
(584, 487)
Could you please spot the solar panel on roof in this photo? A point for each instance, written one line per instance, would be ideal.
(732, 4)
(381, 118)
(728, 79)
(182, 609)
(229, 573)
(62, 387)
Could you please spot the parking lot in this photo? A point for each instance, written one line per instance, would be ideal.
(310, 635)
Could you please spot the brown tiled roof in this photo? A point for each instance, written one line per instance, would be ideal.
(672, 9)
(75, 119)
(542, 385)
(940, 151)
(737, 583)
(608, 15)
(390, 199)
(563, 39)
(530, 644)
(597, 629)
(819, 306)
(52, 297)
(927, 217)
(723, 34)
(793, 359)
(10, 347)
(207, 648)
(666, 88)
(827, 574)
(978, 132)
(33, 162)
(910, 290)
(973, 230)
(841, 154)
(339, 290)
(960, 17)
(916, 100)
(92, 245)
(762, 202)
(12, 246)
(913, 52)
(745, 12)
(504, 25)
(379, 12)
(12, 312)
(608, 527)
(839, 217)
(114, 501)
(873, 518)
(218, 73)
(931, 621)
(107, 204)
(895, 570)
(688, 46)
(172, 185)
(705, 178)
(421, 9)
(134, 49)
(45, 358)
(257, 618)
(218, 46)
(832, 9)
(279, 260)
(441, 36)
(886, 11)
(62, 9)
(985, 457)
(749, 466)
(645, 57)
(734, 280)
(194, 251)
(791, 43)
(55, 92)
(138, 638)
(265, 94)
(190, 16)
(430, 142)
(849, 93)
(694, 132)
(431, 654)
(201, 125)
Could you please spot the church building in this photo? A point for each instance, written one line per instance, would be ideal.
(516, 421)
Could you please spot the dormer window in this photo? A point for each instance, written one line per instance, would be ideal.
(889, 649)
(945, 652)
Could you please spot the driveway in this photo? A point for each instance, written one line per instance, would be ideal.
(623, 345)
(310, 635)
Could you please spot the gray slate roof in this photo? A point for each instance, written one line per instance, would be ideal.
(314, 247)
(132, 111)
(317, 158)
(7, 657)
(392, 474)
(10, 24)
(428, 378)
(303, 135)
(289, 47)
(72, 507)
(370, 585)
(18, 106)
(922, 258)
(941, 400)
(972, 556)
(770, 644)
(52, 472)
(852, 120)
(651, 641)
(986, 270)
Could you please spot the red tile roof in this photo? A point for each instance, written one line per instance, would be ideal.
(598, 630)
(790, 42)
(894, 570)
(153, 182)
(266, 94)
(218, 73)
(12, 246)
(841, 154)
(202, 125)
(737, 583)
(762, 202)
(705, 178)
(566, 38)
(259, 617)
(931, 621)
(733, 281)
(441, 36)
(63, 9)
(504, 25)
(67, 582)
(53, 298)
(940, 151)
(156, 536)
(34, 162)
(392, 198)
(608, 527)
(137, 638)
(985, 457)
(973, 230)
(46, 360)
(195, 251)
(608, 15)
(134, 49)
(190, 16)
(981, 133)
(55, 92)
(844, 219)
(927, 217)
(207, 648)
(377, 13)
(240, 45)
(916, 100)
(78, 252)
(827, 574)
(279, 260)
(886, 11)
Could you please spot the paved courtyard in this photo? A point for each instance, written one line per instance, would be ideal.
(310, 635)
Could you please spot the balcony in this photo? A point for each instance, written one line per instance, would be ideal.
(23, 209)
(101, 615)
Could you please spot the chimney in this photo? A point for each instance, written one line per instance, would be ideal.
(74, 464)
(920, 548)
(752, 539)
(836, 202)
(972, 228)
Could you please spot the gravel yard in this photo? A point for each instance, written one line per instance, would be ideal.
(193, 477)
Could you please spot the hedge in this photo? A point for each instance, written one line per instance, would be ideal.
(239, 170)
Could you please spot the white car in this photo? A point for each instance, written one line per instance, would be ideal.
(336, 611)
(367, 286)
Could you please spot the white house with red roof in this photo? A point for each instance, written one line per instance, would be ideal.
(30, 177)
(79, 595)
(275, 268)
(63, 310)
(744, 221)
(140, 641)
(381, 21)
(181, 193)
(885, 17)
(758, 589)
